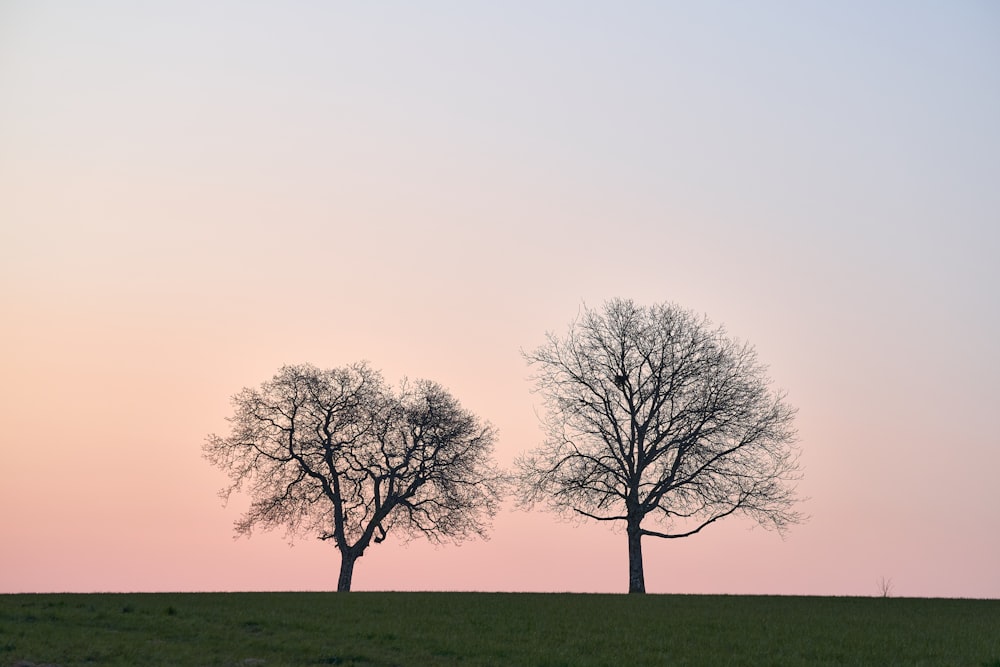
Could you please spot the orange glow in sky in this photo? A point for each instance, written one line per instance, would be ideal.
(193, 196)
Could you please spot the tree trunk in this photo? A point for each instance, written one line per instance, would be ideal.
(347, 559)
(636, 579)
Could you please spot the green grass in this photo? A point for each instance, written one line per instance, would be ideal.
(275, 629)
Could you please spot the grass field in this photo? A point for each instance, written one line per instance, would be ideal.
(274, 629)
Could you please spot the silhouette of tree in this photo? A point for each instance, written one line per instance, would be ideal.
(652, 415)
(338, 454)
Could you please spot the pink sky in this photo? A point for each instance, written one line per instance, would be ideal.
(191, 197)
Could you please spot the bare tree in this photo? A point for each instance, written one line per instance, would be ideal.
(338, 454)
(655, 417)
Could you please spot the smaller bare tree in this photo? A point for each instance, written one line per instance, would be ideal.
(884, 587)
(338, 454)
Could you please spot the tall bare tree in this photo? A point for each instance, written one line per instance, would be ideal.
(659, 421)
(338, 454)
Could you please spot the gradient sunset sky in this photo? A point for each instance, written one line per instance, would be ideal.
(193, 194)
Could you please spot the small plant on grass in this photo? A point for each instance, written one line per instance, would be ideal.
(884, 587)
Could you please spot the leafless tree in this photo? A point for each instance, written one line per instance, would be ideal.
(884, 587)
(338, 454)
(654, 418)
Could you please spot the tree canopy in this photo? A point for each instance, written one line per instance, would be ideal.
(339, 454)
(660, 421)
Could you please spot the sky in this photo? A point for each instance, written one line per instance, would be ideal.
(194, 194)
